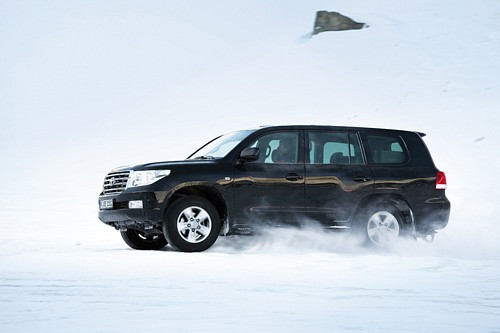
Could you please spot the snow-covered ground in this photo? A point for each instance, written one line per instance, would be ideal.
(85, 87)
(88, 280)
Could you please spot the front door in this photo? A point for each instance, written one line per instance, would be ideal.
(270, 190)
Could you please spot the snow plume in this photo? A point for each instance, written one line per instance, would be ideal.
(291, 240)
(465, 237)
(310, 237)
(458, 240)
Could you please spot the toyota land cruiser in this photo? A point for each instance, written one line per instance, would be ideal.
(379, 183)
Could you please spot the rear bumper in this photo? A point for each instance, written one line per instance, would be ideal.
(154, 204)
(434, 215)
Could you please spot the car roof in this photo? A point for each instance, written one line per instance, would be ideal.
(339, 128)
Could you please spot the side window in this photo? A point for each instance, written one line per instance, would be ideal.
(386, 149)
(312, 149)
(334, 148)
(278, 148)
(355, 150)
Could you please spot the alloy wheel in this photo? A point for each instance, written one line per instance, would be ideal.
(383, 228)
(194, 224)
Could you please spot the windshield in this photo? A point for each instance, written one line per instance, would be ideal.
(219, 147)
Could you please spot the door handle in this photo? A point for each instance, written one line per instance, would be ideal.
(293, 177)
(361, 179)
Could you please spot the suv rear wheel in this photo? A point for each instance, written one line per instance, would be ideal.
(140, 240)
(192, 224)
(379, 225)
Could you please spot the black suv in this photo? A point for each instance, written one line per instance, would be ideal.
(378, 183)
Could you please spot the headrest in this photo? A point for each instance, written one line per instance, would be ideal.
(339, 158)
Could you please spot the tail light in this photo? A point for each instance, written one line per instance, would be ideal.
(440, 181)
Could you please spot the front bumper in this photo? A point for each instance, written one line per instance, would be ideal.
(154, 205)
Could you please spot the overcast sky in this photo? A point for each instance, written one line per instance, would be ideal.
(89, 85)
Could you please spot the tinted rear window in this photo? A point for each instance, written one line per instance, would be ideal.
(386, 149)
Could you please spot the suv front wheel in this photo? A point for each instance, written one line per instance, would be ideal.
(192, 224)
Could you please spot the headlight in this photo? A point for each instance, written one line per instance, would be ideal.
(143, 178)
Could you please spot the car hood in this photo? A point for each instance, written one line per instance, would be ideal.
(170, 164)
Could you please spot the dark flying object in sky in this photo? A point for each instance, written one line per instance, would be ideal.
(333, 21)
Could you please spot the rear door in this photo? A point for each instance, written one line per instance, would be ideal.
(337, 176)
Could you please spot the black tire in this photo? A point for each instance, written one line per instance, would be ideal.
(138, 240)
(192, 224)
(378, 225)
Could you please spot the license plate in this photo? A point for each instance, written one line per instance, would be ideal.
(106, 204)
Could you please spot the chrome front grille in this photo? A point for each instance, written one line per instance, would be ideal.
(115, 182)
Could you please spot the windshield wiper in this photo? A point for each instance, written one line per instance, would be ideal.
(207, 157)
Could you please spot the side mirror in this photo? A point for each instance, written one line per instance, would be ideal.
(250, 154)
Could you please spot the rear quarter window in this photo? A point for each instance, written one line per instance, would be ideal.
(386, 149)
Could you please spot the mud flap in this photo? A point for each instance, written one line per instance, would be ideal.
(408, 218)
